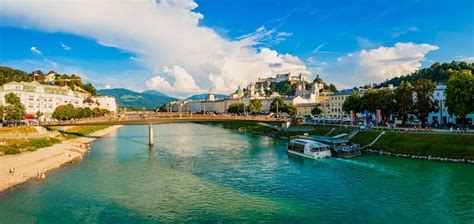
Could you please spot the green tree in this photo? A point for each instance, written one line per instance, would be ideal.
(281, 105)
(38, 115)
(64, 112)
(291, 110)
(371, 101)
(352, 103)
(333, 88)
(2, 111)
(460, 93)
(404, 101)
(387, 102)
(236, 108)
(424, 100)
(255, 106)
(316, 110)
(14, 109)
(90, 88)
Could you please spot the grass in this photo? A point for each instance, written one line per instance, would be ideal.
(81, 131)
(365, 137)
(14, 130)
(437, 145)
(19, 145)
(16, 146)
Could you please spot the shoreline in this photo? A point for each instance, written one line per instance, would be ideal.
(373, 151)
(27, 165)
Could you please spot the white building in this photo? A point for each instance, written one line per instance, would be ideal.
(45, 98)
(442, 117)
(105, 102)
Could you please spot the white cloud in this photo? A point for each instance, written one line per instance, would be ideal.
(467, 59)
(164, 34)
(379, 64)
(65, 47)
(35, 50)
(400, 32)
(183, 83)
(366, 43)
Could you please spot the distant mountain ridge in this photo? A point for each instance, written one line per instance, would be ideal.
(205, 96)
(149, 99)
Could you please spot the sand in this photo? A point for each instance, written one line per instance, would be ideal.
(27, 165)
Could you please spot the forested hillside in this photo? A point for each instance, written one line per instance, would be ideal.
(438, 73)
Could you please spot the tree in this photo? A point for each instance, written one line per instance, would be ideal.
(90, 88)
(64, 112)
(333, 88)
(460, 93)
(388, 103)
(255, 106)
(14, 109)
(316, 110)
(404, 100)
(424, 100)
(2, 111)
(371, 101)
(352, 103)
(291, 110)
(281, 105)
(38, 115)
(236, 108)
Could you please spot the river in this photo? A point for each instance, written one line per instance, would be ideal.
(202, 173)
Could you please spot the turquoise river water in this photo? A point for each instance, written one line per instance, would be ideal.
(201, 173)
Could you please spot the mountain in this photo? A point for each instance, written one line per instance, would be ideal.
(204, 96)
(127, 98)
(154, 93)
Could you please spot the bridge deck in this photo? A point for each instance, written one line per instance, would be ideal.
(160, 119)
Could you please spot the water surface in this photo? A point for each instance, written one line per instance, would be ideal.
(203, 173)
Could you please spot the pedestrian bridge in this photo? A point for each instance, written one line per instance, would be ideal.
(156, 118)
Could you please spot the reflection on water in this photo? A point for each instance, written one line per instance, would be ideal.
(203, 173)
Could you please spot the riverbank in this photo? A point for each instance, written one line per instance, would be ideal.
(427, 146)
(28, 164)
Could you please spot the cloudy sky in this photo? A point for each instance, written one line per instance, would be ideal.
(182, 47)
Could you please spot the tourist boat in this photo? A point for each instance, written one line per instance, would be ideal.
(346, 150)
(339, 147)
(309, 148)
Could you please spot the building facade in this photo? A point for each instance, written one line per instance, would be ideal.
(442, 116)
(45, 98)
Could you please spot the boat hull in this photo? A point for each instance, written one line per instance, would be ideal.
(320, 156)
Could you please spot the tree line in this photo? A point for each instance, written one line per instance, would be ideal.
(8, 75)
(255, 107)
(416, 98)
(437, 72)
(68, 112)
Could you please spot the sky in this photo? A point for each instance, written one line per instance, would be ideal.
(183, 47)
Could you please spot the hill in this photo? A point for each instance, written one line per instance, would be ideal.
(154, 93)
(8, 74)
(128, 98)
(438, 73)
(204, 96)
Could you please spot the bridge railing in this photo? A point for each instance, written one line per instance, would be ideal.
(162, 117)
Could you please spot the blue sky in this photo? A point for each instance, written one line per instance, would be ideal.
(344, 41)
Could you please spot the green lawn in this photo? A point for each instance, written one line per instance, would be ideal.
(439, 145)
(365, 137)
(16, 146)
(80, 131)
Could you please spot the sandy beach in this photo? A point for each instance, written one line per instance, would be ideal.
(27, 165)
